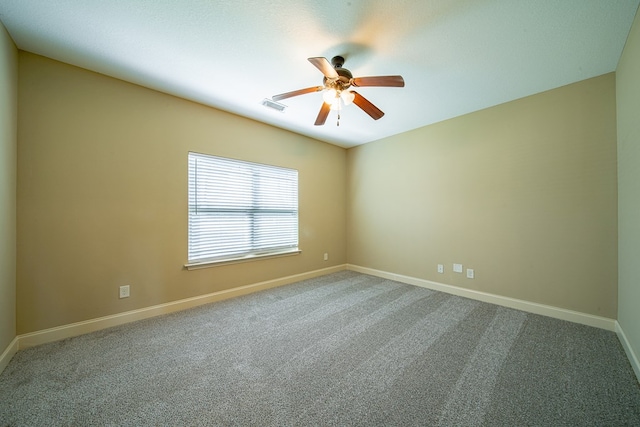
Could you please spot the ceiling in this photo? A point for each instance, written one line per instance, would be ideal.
(456, 56)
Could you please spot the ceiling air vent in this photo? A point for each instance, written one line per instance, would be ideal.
(273, 104)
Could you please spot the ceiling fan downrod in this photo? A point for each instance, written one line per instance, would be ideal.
(337, 61)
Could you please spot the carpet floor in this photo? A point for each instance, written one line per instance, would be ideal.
(346, 349)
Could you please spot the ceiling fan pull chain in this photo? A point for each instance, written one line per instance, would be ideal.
(338, 123)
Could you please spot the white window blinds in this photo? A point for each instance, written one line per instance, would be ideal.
(239, 209)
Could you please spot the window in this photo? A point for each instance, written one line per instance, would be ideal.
(240, 210)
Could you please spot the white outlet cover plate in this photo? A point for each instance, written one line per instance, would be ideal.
(470, 273)
(124, 291)
(457, 268)
(440, 268)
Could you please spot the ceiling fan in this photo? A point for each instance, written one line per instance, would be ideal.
(336, 82)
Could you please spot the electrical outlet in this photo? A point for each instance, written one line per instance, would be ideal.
(470, 274)
(124, 291)
(326, 256)
(440, 268)
(457, 268)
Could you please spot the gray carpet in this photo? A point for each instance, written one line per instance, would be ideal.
(342, 349)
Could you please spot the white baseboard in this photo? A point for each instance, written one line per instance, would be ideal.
(92, 325)
(631, 355)
(8, 353)
(530, 307)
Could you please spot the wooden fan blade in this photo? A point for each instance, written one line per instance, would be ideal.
(296, 93)
(322, 115)
(367, 106)
(324, 66)
(385, 81)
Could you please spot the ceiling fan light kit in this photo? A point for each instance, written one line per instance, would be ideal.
(336, 89)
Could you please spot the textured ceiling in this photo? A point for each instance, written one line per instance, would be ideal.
(456, 56)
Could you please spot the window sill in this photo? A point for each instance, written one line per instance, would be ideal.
(247, 258)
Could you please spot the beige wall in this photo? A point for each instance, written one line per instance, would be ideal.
(628, 108)
(524, 193)
(102, 195)
(8, 144)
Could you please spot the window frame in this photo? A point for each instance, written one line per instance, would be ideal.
(249, 212)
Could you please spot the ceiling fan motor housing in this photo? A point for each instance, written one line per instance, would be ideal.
(343, 81)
